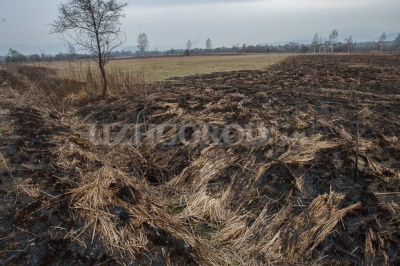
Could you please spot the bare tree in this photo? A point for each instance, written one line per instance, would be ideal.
(321, 43)
(315, 41)
(349, 43)
(143, 43)
(208, 45)
(397, 42)
(332, 38)
(188, 47)
(94, 25)
(382, 41)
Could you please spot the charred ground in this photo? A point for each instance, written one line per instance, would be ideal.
(291, 199)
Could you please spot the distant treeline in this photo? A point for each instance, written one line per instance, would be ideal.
(14, 56)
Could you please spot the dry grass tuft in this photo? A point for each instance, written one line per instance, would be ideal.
(74, 157)
(202, 208)
(311, 227)
(121, 225)
(302, 150)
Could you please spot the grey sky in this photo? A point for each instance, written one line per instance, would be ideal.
(172, 23)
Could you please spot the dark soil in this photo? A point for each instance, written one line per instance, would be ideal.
(300, 98)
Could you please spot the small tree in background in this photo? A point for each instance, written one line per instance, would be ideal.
(188, 47)
(94, 25)
(321, 43)
(143, 43)
(397, 43)
(382, 41)
(315, 41)
(326, 44)
(208, 45)
(332, 38)
(349, 43)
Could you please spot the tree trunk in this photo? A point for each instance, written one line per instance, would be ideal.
(100, 58)
(104, 76)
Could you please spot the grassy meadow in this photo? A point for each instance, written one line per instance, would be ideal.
(156, 69)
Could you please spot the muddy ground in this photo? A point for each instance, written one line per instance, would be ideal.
(67, 196)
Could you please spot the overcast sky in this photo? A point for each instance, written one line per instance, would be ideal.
(172, 23)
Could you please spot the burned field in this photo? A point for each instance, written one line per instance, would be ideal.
(69, 195)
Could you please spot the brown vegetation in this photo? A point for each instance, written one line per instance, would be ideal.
(290, 199)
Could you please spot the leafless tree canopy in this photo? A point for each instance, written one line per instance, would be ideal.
(94, 25)
(332, 38)
(208, 45)
(188, 47)
(382, 40)
(143, 43)
(383, 37)
(349, 43)
(315, 41)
